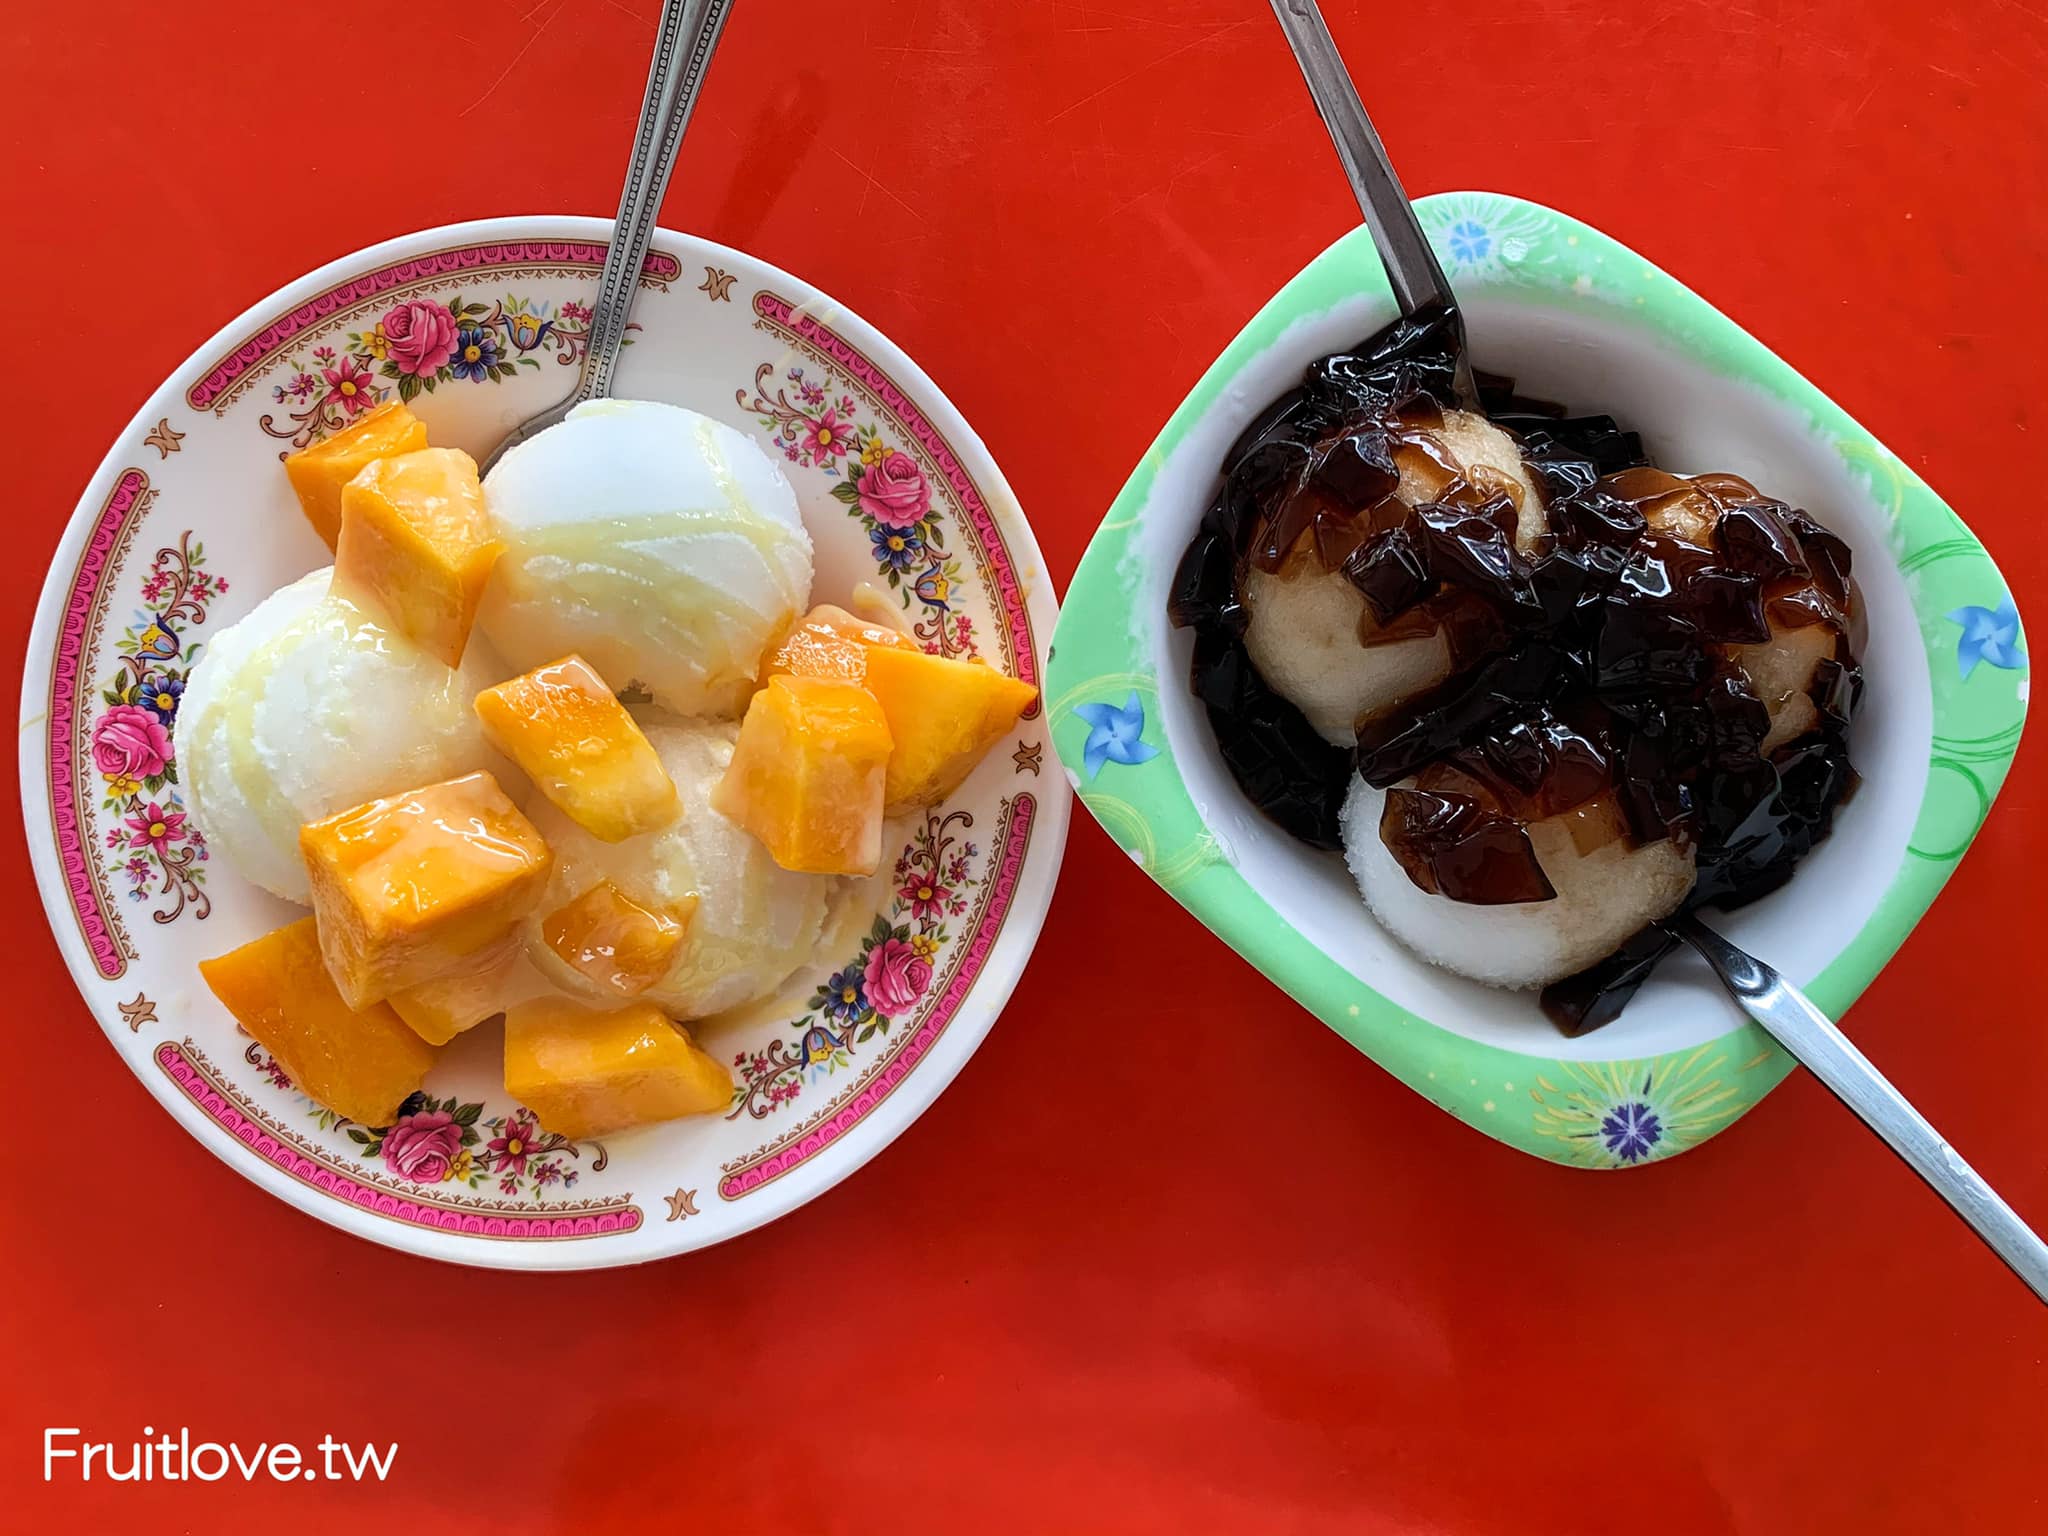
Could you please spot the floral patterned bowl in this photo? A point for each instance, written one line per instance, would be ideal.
(189, 522)
(1578, 318)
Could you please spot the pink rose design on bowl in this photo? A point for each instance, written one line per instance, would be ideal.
(130, 743)
(897, 976)
(419, 337)
(893, 491)
(423, 1147)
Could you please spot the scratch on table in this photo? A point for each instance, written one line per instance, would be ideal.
(1165, 58)
(1093, 12)
(875, 182)
(525, 48)
(1163, 188)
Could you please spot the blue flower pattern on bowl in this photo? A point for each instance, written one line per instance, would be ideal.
(476, 354)
(845, 994)
(1469, 240)
(1631, 1131)
(1115, 735)
(160, 693)
(896, 549)
(1991, 635)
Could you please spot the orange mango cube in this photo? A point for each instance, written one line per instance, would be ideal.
(416, 547)
(610, 939)
(807, 775)
(409, 887)
(576, 741)
(589, 1072)
(483, 985)
(830, 642)
(362, 1063)
(944, 716)
(318, 473)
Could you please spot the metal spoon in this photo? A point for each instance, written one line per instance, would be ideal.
(1844, 1071)
(682, 49)
(1419, 285)
(1412, 269)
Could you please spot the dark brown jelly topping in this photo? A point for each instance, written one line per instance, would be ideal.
(1594, 674)
(1451, 842)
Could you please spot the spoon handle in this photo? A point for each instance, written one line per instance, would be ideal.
(1412, 268)
(682, 49)
(1846, 1073)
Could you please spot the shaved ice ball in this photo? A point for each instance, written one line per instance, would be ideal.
(1304, 639)
(1306, 623)
(1603, 897)
(1781, 671)
(1484, 454)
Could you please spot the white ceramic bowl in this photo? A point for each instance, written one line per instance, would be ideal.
(189, 522)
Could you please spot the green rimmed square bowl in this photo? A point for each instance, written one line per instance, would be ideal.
(1573, 316)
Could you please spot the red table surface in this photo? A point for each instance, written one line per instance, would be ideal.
(1169, 1256)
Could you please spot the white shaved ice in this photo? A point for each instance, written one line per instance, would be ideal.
(1602, 898)
(1303, 638)
(1781, 671)
(1304, 628)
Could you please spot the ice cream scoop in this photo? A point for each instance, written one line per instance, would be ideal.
(753, 924)
(307, 707)
(663, 547)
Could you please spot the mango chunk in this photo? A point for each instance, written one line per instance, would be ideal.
(318, 473)
(589, 1072)
(830, 642)
(563, 725)
(944, 716)
(409, 887)
(360, 1063)
(416, 547)
(483, 985)
(609, 938)
(807, 775)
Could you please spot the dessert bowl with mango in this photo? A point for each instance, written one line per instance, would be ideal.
(574, 747)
